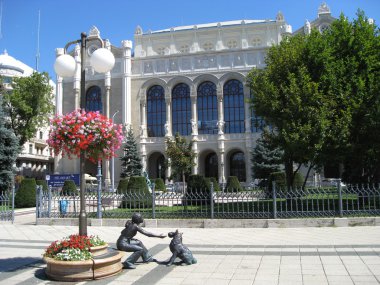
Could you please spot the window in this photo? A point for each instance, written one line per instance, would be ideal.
(233, 101)
(211, 165)
(208, 46)
(94, 99)
(231, 44)
(207, 105)
(156, 111)
(257, 123)
(181, 109)
(184, 49)
(256, 42)
(237, 165)
(41, 135)
(30, 148)
(161, 51)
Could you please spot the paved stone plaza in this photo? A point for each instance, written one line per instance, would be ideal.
(328, 255)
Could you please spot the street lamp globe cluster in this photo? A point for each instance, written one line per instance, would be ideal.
(102, 61)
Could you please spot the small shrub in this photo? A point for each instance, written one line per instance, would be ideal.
(198, 191)
(69, 188)
(44, 185)
(122, 186)
(137, 194)
(159, 185)
(26, 194)
(280, 179)
(215, 183)
(233, 184)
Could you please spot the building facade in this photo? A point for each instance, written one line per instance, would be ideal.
(188, 80)
(36, 158)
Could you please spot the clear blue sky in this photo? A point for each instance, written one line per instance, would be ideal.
(62, 21)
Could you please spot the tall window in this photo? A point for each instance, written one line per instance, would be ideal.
(207, 105)
(94, 99)
(257, 123)
(233, 101)
(237, 165)
(181, 108)
(156, 111)
(211, 165)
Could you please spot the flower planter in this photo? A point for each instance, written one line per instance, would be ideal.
(98, 267)
(99, 250)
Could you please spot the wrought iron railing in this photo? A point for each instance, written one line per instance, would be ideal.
(6, 206)
(332, 201)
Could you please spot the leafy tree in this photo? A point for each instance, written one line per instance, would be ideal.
(180, 156)
(353, 80)
(28, 105)
(9, 150)
(286, 94)
(131, 161)
(266, 157)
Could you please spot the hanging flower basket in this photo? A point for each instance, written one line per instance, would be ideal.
(90, 133)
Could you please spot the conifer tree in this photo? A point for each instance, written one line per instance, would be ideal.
(9, 150)
(131, 161)
(266, 158)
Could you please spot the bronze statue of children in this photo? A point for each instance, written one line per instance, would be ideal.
(127, 243)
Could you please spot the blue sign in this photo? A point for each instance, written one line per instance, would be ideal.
(57, 180)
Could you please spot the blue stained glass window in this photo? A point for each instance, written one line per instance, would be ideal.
(207, 105)
(233, 101)
(257, 123)
(181, 109)
(156, 111)
(237, 165)
(94, 99)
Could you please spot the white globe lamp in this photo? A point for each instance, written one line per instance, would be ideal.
(102, 60)
(65, 65)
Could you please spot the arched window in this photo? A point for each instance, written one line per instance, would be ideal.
(156, 111)
(237, 165)
(233, 101)
(207, 105)
(257, 123)
(94, 99)
(181, 109)
(211, 165)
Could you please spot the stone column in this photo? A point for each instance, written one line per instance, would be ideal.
(221, 136)
(168, 124)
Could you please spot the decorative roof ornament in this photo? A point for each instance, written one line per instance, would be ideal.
(94, 32)
(138, 30)
(307, 28)
(280, 17)
(324, 9)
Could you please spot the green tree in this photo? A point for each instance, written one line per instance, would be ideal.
(180, 156)
(131, 161)
(28, 105)
(9, 150)
(286, 94)
(353, 81)
(266, 157)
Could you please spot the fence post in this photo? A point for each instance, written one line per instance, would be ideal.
(274, 200)
(40, 193)
(13, 202)
(37, 202)
(153, 200)
(212, 200)
(49, 201)
(340, 198)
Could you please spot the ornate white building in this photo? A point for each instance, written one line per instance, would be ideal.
(36, 159)
(188, 79)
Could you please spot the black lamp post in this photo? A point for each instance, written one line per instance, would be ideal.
(102, 60)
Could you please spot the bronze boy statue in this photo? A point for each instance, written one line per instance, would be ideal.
(127, 243)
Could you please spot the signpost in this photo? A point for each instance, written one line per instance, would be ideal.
(57, 180)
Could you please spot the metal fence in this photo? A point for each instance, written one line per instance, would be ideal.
(6, 206)
(333, 201)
